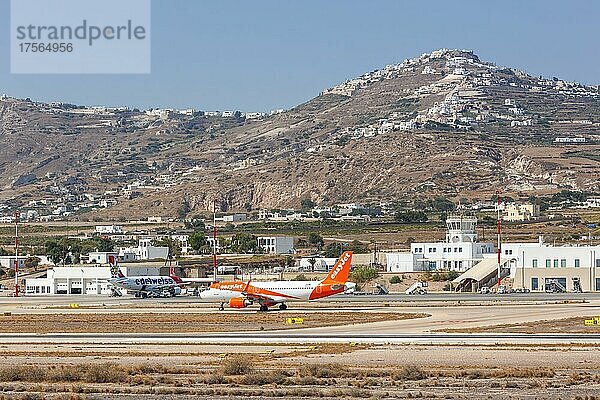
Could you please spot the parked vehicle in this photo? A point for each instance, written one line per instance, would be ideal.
(379, 289)
(418, 287)
(484, 290)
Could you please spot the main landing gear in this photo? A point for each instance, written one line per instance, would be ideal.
(263, 308)
(222, 307)
(283, 306)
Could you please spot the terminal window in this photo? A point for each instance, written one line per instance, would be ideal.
(577, 263)
(597, 283)
(534, 263)
(563, 263)
(548, 263)
(556, 263)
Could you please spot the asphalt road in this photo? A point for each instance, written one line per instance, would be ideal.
(466, 297)
(432, 297)
(300, 338)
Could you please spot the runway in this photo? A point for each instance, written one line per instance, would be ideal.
(299, 338)
(41, 301)
(446, 311)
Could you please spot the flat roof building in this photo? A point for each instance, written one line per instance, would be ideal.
(459, 252)
(276, 244)
(535, 266)
(81, 280)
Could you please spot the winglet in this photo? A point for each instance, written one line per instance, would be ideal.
(246, 287)
(340, 271)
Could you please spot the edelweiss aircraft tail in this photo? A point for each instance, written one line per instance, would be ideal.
(115, 272)
(340, 271)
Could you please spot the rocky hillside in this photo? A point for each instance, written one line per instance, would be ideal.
(444, 123)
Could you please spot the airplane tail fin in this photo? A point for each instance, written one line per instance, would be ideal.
(115, 272)
(340, 271)
(176, 279)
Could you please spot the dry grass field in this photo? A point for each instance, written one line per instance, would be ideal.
(182, 322)
(273, 376)
(566, 325)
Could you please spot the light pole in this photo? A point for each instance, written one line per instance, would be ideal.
(499, 240)
(17, 215)
(215, 270)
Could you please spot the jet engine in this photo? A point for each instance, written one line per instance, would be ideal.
(239, 302)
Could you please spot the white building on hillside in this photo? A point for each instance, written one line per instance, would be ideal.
(276, 244)
(102, 257)
(108, 229)
(316, 264)
(8, 262)
(239, 217)
(520, 212)
(184, 240)
(144, 251)
(592, 203)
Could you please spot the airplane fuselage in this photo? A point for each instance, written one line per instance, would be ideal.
(145, 283)
(279, 292)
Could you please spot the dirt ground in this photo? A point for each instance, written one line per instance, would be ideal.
(183, 322)
(339, 371)
(567, 325)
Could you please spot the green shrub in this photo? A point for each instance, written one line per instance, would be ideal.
(395, 279)
(361, 275)
(445, 276)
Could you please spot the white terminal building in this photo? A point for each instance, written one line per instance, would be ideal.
(459, 252)
(536, 266)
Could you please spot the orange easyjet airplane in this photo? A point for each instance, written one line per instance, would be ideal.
(267, 294)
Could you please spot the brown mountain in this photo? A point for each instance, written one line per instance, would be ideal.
(445, 123)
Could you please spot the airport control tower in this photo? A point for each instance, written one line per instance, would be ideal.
(461, 229)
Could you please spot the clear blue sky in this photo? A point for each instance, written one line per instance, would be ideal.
(267, 54)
